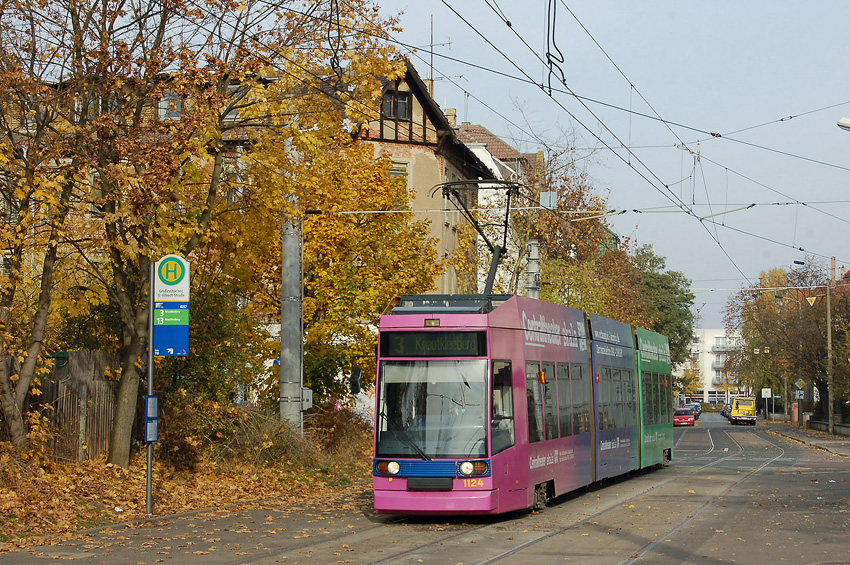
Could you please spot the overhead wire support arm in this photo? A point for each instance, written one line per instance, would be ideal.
(451, 190)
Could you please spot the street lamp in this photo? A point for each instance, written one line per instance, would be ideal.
(829, 386)
(844, 123)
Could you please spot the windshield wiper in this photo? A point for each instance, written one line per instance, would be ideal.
(461, 403)
(405, 437)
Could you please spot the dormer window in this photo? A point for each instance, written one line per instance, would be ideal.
(396, 105)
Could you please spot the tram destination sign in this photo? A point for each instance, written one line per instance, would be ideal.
(433, 344)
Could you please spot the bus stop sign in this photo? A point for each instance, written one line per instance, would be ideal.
(171, 307)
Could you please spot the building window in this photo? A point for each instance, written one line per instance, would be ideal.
(396, 105)
(398, 170)
(170, 106)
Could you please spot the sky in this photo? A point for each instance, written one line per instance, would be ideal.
(680, 110)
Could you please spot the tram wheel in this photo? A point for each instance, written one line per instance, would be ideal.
(541, 496)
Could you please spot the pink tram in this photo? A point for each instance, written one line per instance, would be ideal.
(489, 404)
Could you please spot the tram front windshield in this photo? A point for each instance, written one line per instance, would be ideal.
(432, 409)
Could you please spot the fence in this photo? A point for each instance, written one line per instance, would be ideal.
(840, 429)
(82, 403)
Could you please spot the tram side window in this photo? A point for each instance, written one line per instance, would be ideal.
(535, 402)
(624, 398)
(649, 399)
(549, 401)
(612, 400)
(646, 397)
(667, 397)
(664, 399)
(619, 408)
(659, 393)
(581, 398)
(659, 401)
(565, 411)
(657, 398)
(503, 407)
(605, 399)
(630, 414)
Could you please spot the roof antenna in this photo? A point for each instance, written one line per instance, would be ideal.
(431, 70)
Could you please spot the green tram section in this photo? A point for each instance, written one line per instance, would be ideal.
(656, 395)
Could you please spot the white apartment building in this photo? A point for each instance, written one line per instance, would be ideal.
(710, 348)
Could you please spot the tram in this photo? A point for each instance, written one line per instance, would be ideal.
(493, 403)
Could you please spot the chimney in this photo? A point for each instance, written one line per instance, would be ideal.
(451, 115)
(429, 86)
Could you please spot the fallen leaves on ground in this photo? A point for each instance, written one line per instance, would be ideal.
(48, 503)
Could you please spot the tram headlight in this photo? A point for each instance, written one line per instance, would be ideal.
(388, 467)
(469, 468)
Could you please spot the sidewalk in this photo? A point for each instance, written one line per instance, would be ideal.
(839, 445)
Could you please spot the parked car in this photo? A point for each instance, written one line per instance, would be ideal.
(743, 411)
(695, 408)
(727, 408)
(684, 417)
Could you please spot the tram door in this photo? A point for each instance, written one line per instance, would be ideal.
(510, 476)
(594, 411)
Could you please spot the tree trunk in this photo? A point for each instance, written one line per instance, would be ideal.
(125, 407)
(12, 397)
(11, 411)
(131, 293)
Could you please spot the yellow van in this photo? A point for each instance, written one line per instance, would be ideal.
(743, 411)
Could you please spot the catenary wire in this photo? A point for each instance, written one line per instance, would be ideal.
(537, 84)
(668, 194)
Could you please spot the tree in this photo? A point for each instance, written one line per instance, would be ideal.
(40, 175)
(362, 251)
(668, 301)
(584, 264)
(690, 381)
(776, 314)
(153, 102)
(759, 318)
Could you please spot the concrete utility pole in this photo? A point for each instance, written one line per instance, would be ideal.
(290, 325)
(532, 285)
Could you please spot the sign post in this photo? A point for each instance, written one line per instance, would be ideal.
(168, 334)
(766, 393)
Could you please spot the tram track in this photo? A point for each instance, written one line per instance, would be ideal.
(619, 502)
(608, 506)
(605, 508)
(418, 537)
(650, 546)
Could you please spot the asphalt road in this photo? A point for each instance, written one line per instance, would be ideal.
(733, 494)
